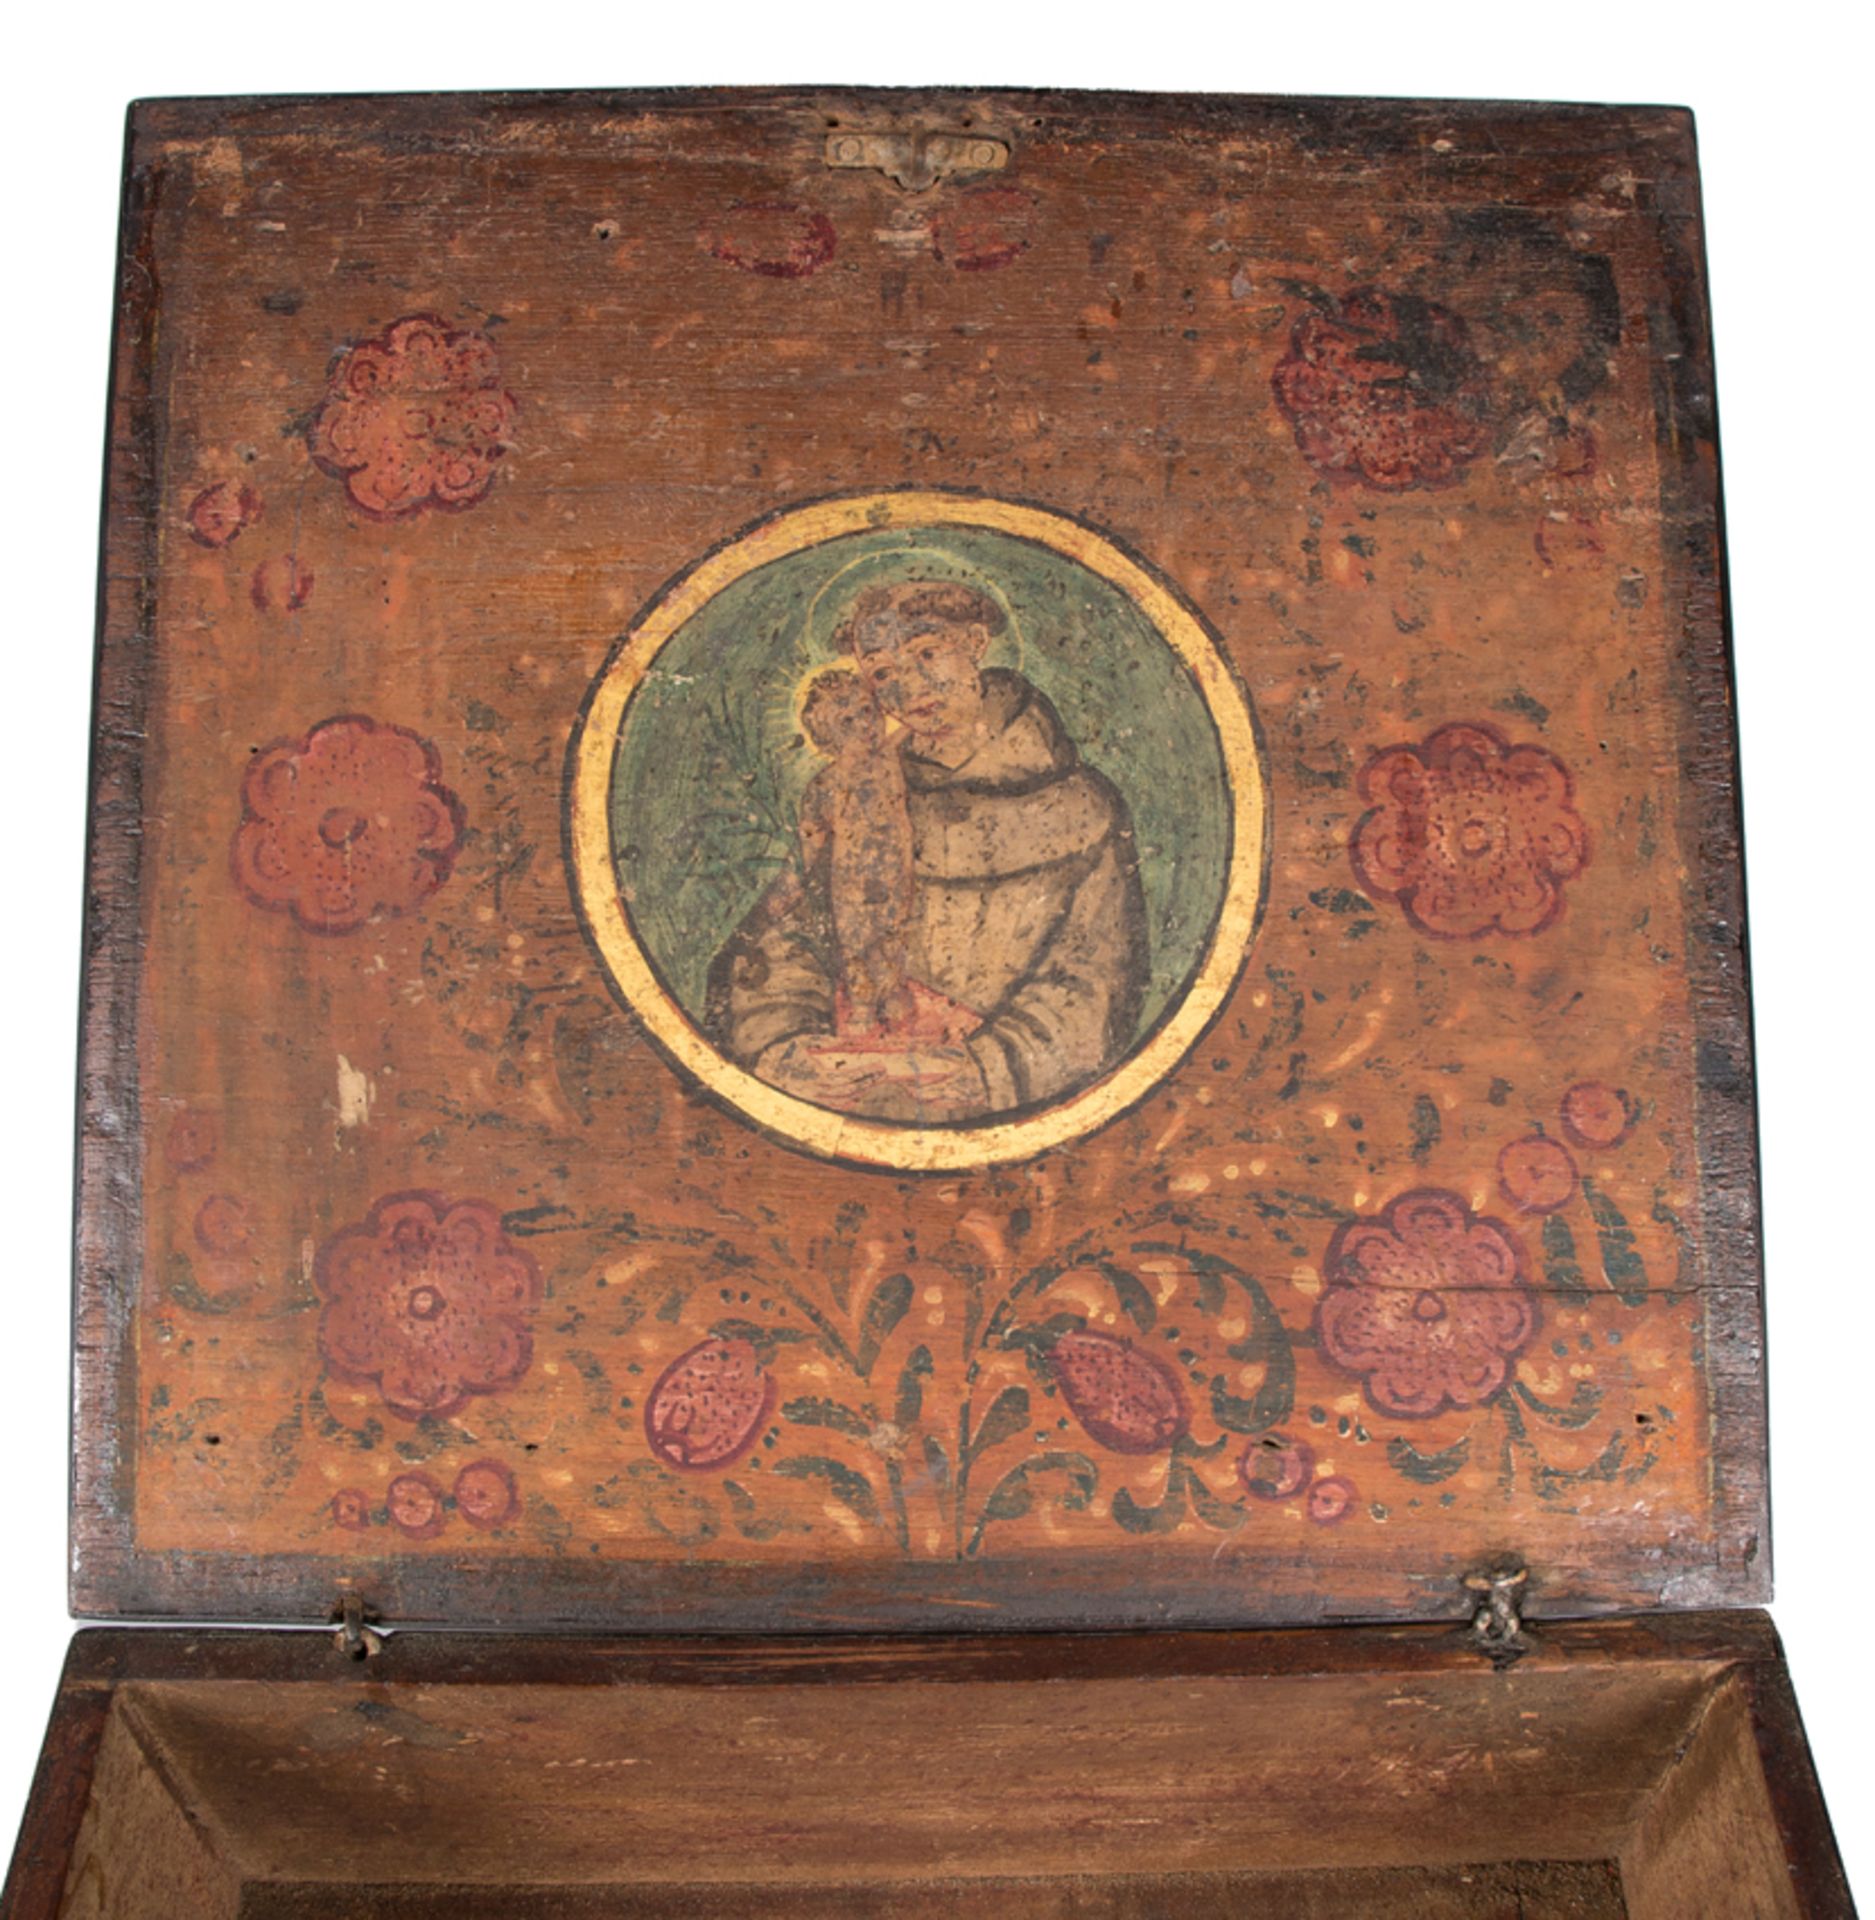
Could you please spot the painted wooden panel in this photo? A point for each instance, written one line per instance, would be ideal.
(823, 897)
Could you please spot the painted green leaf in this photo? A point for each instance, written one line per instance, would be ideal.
(917, 1370)
(1135, 1299)
(1427, 1125)
(1008, 1415)
(1222, 1516)
(1427, 1468)
(1684, 1274)
(1562, 1269)
(890, 1301)
(763, 1339)
(1014, 1494)
(1583, 1405)
(186, 1291)
(1160, 1519)
(749, 1521)
(852, 1490)
(1622, 1265)
(812, 1412)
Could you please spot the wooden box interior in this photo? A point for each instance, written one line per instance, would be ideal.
(1619, 1769)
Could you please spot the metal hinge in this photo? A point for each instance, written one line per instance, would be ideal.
(354, 1638)
(1497, 1625)
(920, 158)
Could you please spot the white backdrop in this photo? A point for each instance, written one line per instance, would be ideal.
(1782, 136)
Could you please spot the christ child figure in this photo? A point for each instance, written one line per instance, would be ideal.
(856, 807)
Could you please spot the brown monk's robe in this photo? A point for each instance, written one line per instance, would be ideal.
(1027, 907)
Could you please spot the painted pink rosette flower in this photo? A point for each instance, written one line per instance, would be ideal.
(709, 1405)
(486, 1494)
(413, 1503)
(1385, 390)
(348, 824)
(415, 417)
(1128, 1400)
(1276, 1467)
(1470, 834)
(1426, 1303)
(427, 1300)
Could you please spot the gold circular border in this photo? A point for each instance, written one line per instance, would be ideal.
(842, 1136)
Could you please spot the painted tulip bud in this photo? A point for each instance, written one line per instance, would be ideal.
(709, 1405)
(1127, 1400)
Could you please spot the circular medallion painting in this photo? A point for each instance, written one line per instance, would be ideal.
(923, 829)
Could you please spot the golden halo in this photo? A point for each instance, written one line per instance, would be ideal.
(880, 1143)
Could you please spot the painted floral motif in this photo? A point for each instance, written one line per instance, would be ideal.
(985, 228)
(1427, 1303)
(280, 584)
(1536, 1174)
(416, 417)
(1128, 1400)
(351, 1509)
(1386, 390)
(191, 1140)
(1331, 1499)
(773, 238)
(222, 512)
(428, 1300)
(348, 824)
(414, 1504)
(1276, 1467)
(222, 1225)
(1470, 834)
(709, 1405)
(486, 1494)
(1596, 1115)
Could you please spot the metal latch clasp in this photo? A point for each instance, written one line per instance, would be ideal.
(354, 1638)
(1497, 1621)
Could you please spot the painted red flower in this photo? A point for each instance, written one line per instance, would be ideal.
(486, 1494)
(428, 1300)
(1536, 1174)
(985, 228)
(773, 238)
(709, 1405)
(1331, 1500)
(1470, 834)
(351, 1509)
(1128, 1400)
(222, 512)
(347, 824)
(1426, 1302)
(416, 417)
(413, 1503)
(1276, 1467)
(1596, 1115)
(1386, 390)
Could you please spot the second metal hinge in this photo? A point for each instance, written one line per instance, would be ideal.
(920, 158)
(1497, 1624)
(355, 1638)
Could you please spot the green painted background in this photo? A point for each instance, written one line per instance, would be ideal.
(711, 764)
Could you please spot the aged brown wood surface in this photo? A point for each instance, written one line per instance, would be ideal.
(1619, 1768)
(1122, 1003)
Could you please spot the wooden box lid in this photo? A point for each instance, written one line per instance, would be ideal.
(889, 860)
